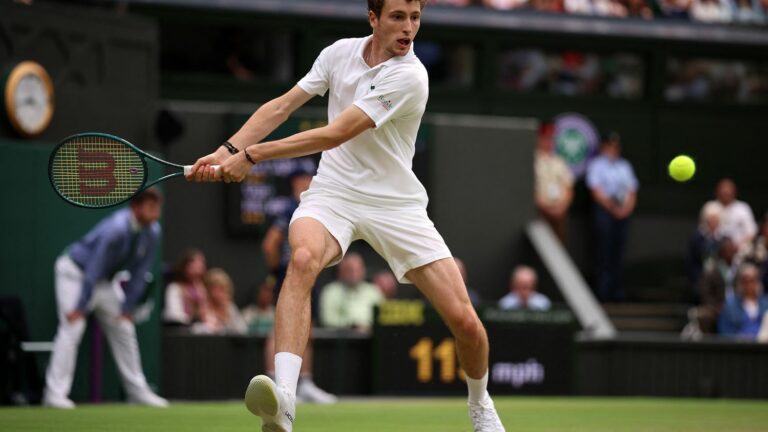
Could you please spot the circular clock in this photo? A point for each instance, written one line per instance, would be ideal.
(28, 98)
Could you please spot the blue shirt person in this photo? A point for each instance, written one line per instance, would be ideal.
(85, 282)
(119, 242)
(614, 186)
(743, 313)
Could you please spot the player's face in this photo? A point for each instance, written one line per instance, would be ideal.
(397, 26)
(148, 211)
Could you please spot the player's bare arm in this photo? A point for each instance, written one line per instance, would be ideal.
(350, 123)
(261, 123)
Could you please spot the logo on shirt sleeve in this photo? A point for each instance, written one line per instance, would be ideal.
(386, 104)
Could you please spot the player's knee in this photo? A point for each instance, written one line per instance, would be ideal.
(467, 327)
(304, 261)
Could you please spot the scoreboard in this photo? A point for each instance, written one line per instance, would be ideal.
(414, 352)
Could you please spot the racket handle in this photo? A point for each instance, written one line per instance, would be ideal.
(188, 169)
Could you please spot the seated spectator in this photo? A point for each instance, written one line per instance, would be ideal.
(705, 242)
(260, 316)
(224, 317)
(610, 8)
(548, 6)
(710, 11)
(349, 301)
(747, 12)
(675, 9)
(186, 301)
(474, 296)
(737, 220)
(522, 292)
(716, 284)
(743, 314)
(386, 283)
(638, 9)
(553, 186)
(505, 4)
(579, 7)
(756, 251)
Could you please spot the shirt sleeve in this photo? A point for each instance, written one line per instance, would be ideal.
(400, 93)
(633, 184)
(593, 174)
(318, 79)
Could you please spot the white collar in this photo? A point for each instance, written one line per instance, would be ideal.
(395, 59)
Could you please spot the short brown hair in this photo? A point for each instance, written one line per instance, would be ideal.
(377, 5)
(152, 193)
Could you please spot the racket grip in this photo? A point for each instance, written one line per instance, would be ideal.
(188, 169)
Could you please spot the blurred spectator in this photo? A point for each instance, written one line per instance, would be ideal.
(260, 316)
(458, 3)
(613, 184)
(349, 301)
(705, 242)
(747, 12)
(638, 9)
(505, 4)
(743, 314)
(386, 283)
(716, 285)
(549, 6)
(711, 11)
(579, 7)
(186, 300)
(737, 220)
(676, 9)
(554, 182)
(474, 296)
(756, 251)
(522, 292)
(610, 8)
(224, 317)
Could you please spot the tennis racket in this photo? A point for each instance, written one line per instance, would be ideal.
(97, 170)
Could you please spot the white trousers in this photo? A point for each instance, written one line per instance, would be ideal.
(106, 305)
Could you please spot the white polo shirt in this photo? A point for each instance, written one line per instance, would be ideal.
(375, 166)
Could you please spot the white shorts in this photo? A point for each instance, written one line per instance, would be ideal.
(402, 234)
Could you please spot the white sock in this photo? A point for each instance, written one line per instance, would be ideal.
(287, 368)
(478, 388)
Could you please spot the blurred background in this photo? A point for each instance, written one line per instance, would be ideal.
(577, 300)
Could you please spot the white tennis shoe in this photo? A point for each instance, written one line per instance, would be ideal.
(275, 405)
(309, 392)
(484, 416)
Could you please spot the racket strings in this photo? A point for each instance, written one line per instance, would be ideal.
(96, 171)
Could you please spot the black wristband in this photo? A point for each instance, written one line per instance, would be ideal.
(230, 148)
(247, 156)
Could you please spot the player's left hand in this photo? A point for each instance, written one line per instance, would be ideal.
(235, 168)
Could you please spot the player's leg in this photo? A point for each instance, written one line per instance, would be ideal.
(312, 249)
(441, 283)
(121, 336)
(61, 368)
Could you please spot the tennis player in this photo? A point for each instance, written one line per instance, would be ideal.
(364, 189)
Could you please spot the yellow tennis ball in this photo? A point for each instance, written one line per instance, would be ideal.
(682, 168)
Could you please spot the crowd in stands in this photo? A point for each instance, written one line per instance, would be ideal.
(748, 12)
(727, 260)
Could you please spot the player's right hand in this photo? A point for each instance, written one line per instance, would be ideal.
(202, 170)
